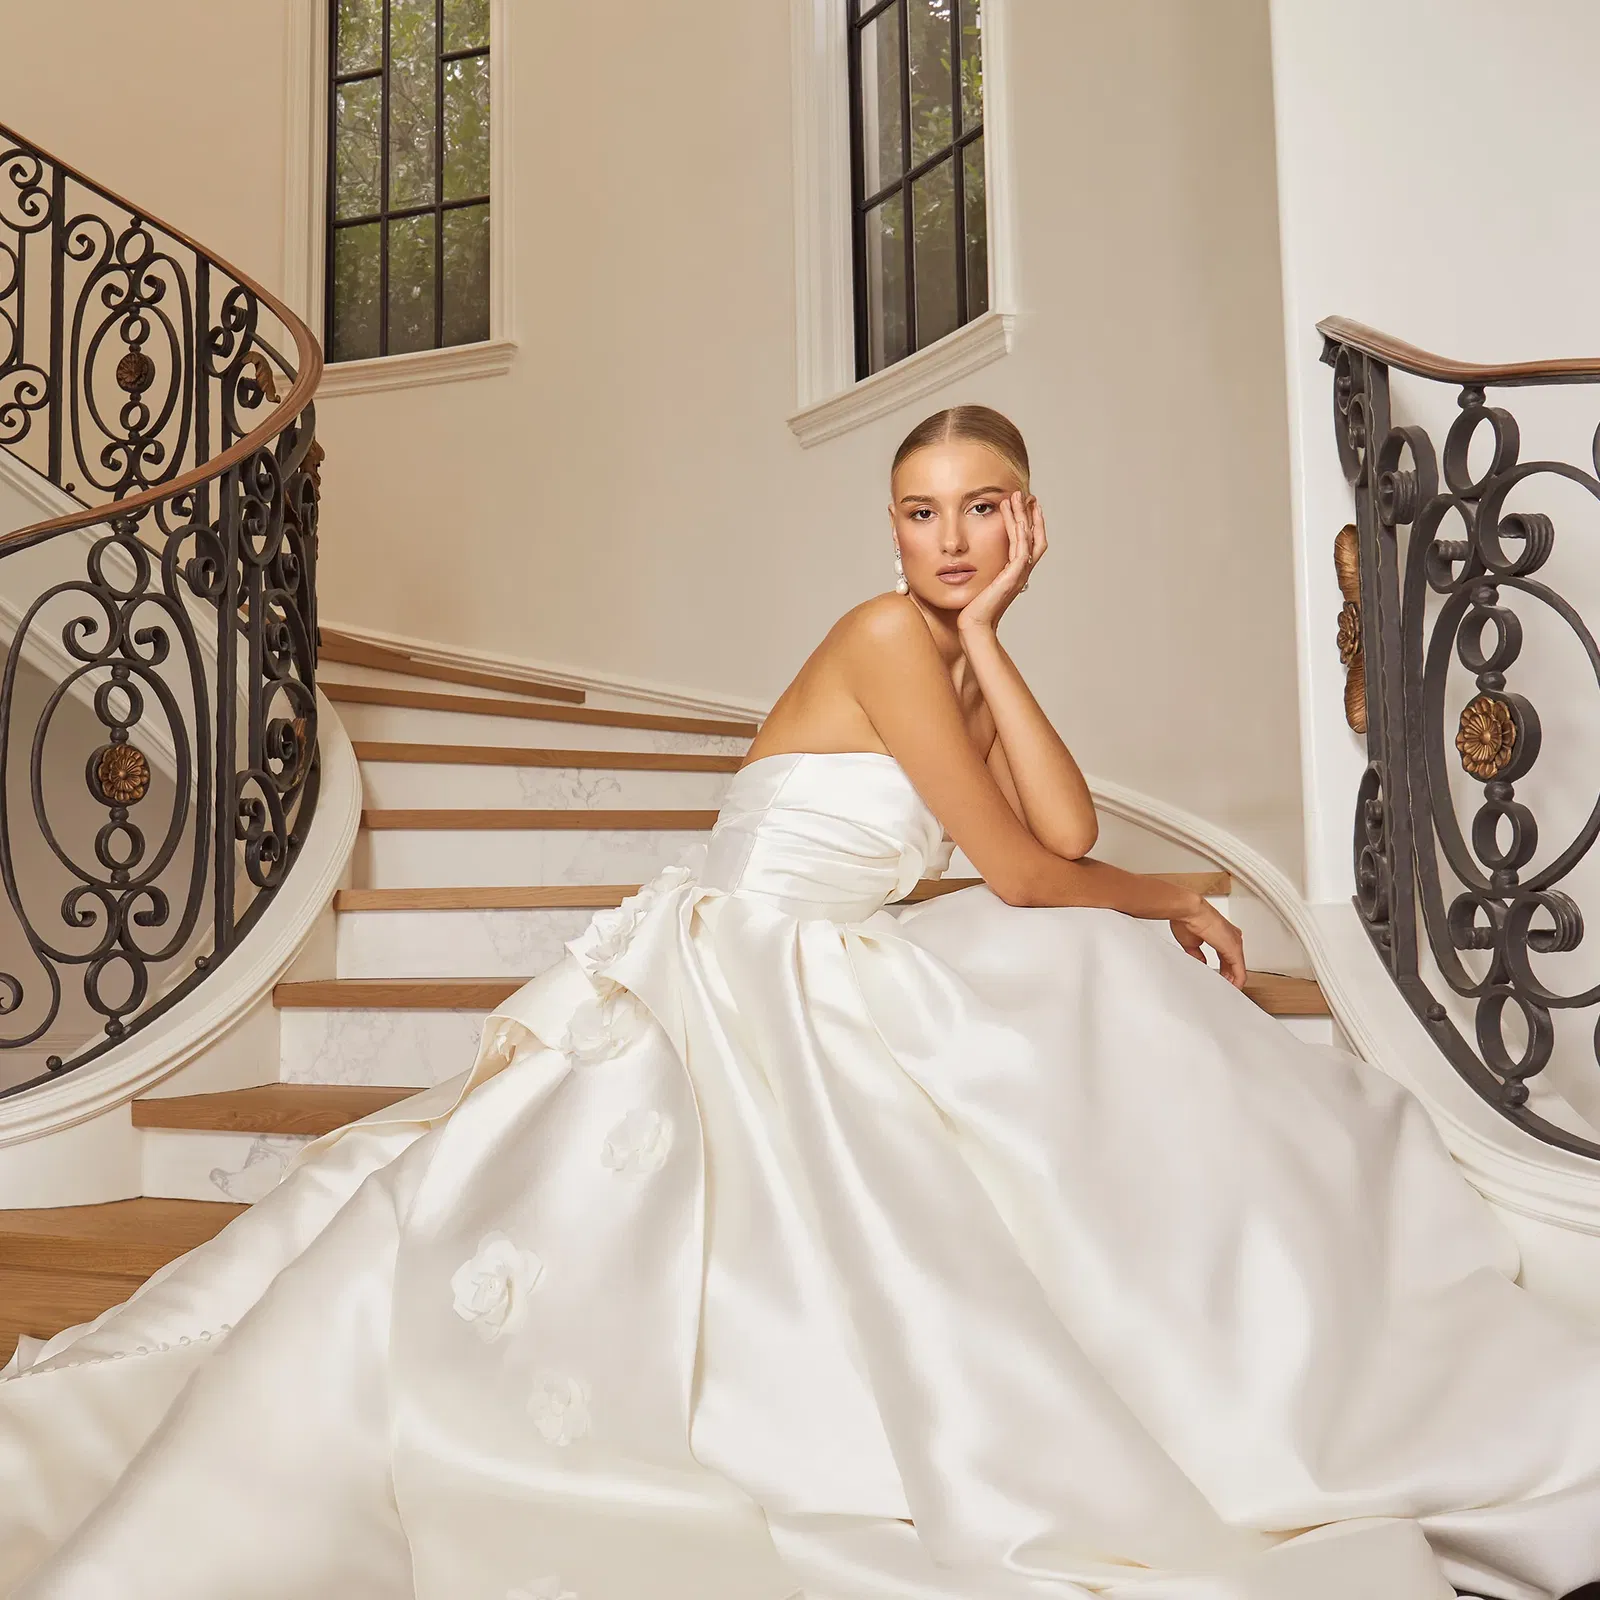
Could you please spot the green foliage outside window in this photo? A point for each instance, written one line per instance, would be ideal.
(424, 211)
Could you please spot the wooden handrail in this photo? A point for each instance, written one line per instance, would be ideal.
(306, 378)
(1424, 364)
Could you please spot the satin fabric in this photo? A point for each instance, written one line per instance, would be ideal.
(781, 1243)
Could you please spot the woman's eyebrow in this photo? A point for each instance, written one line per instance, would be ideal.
(971, 494)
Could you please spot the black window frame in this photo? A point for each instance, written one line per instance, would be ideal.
(862, 14)
(385, 215)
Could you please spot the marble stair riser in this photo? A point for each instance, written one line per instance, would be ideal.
(455, 944)
(405, 858)
(411, 1049)
(408, 785)
(407, 725)
(185, 1164)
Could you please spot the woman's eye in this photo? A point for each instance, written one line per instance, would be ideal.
(983, 505)
(921, 514)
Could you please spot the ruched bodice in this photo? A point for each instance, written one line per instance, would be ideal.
(833, 835)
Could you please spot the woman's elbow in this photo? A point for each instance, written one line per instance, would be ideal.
(1018, 888)
(1074, 846)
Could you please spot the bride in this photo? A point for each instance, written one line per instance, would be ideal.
(780, 1244)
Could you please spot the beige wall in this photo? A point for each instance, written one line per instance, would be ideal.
(628, 498)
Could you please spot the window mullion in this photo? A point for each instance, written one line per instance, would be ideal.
(383, 232)
(924, 166)
(330, 204)
(858, 216)
(958, 164)
(907, 216)
(438, 174)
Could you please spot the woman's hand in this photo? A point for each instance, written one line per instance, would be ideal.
(1025, 531)
(1207, 926)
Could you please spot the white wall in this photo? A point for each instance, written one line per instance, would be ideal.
(629, 499)
(1436, 174)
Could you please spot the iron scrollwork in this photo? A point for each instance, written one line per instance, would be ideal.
(166, 653)
(1445, 574)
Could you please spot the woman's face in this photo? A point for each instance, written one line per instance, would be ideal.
(945, 511)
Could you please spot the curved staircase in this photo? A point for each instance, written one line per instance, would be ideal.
(500, 813)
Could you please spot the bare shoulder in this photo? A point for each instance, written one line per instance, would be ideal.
(887, 624)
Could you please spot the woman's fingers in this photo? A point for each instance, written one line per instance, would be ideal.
(1016, 539)
(1230, 953)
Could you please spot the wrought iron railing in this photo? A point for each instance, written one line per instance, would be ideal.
(158, 749)
(1449, 593)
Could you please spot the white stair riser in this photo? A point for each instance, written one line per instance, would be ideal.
(418, 785)
(181, 1164)
(408, 1049)
(406, 858)
(455, 944)
(403, 724)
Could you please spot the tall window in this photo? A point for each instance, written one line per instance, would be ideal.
(921, 237)
(408, 180)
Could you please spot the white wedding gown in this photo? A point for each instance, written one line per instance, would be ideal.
(788, 1245)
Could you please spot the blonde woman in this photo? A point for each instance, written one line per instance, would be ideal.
(783, 1244)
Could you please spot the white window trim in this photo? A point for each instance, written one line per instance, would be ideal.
(830, 398)
(305, 221)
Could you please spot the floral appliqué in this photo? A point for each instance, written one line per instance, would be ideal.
(639, 1143)
(504, 1041)
(550, 1588)
(611, 931)
(599, 1028)
(492, 1288)
(559, 1406)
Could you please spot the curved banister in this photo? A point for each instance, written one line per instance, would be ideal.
(1443, 572)
(1344, 332)
(191, 622)
(306, 373)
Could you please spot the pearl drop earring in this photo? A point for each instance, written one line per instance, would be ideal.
(900, 584)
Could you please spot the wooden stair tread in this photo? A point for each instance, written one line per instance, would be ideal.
(571, 818)
(336, 646)
(42, 1303)
(129, 1238)
(395, 994)
(597, 896)
(279, 1108)
(1280, 995)
(1275, 993)
(497, 755)
(374, 694)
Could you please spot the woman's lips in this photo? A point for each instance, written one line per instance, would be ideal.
(956, 575)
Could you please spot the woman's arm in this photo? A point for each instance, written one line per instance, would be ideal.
(1029, 757)
(893, 668)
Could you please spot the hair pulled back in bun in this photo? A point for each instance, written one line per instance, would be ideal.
(980, 424)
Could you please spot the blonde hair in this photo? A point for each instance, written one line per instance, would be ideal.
(979, 424)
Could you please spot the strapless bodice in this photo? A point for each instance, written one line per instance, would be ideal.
(835, 835)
